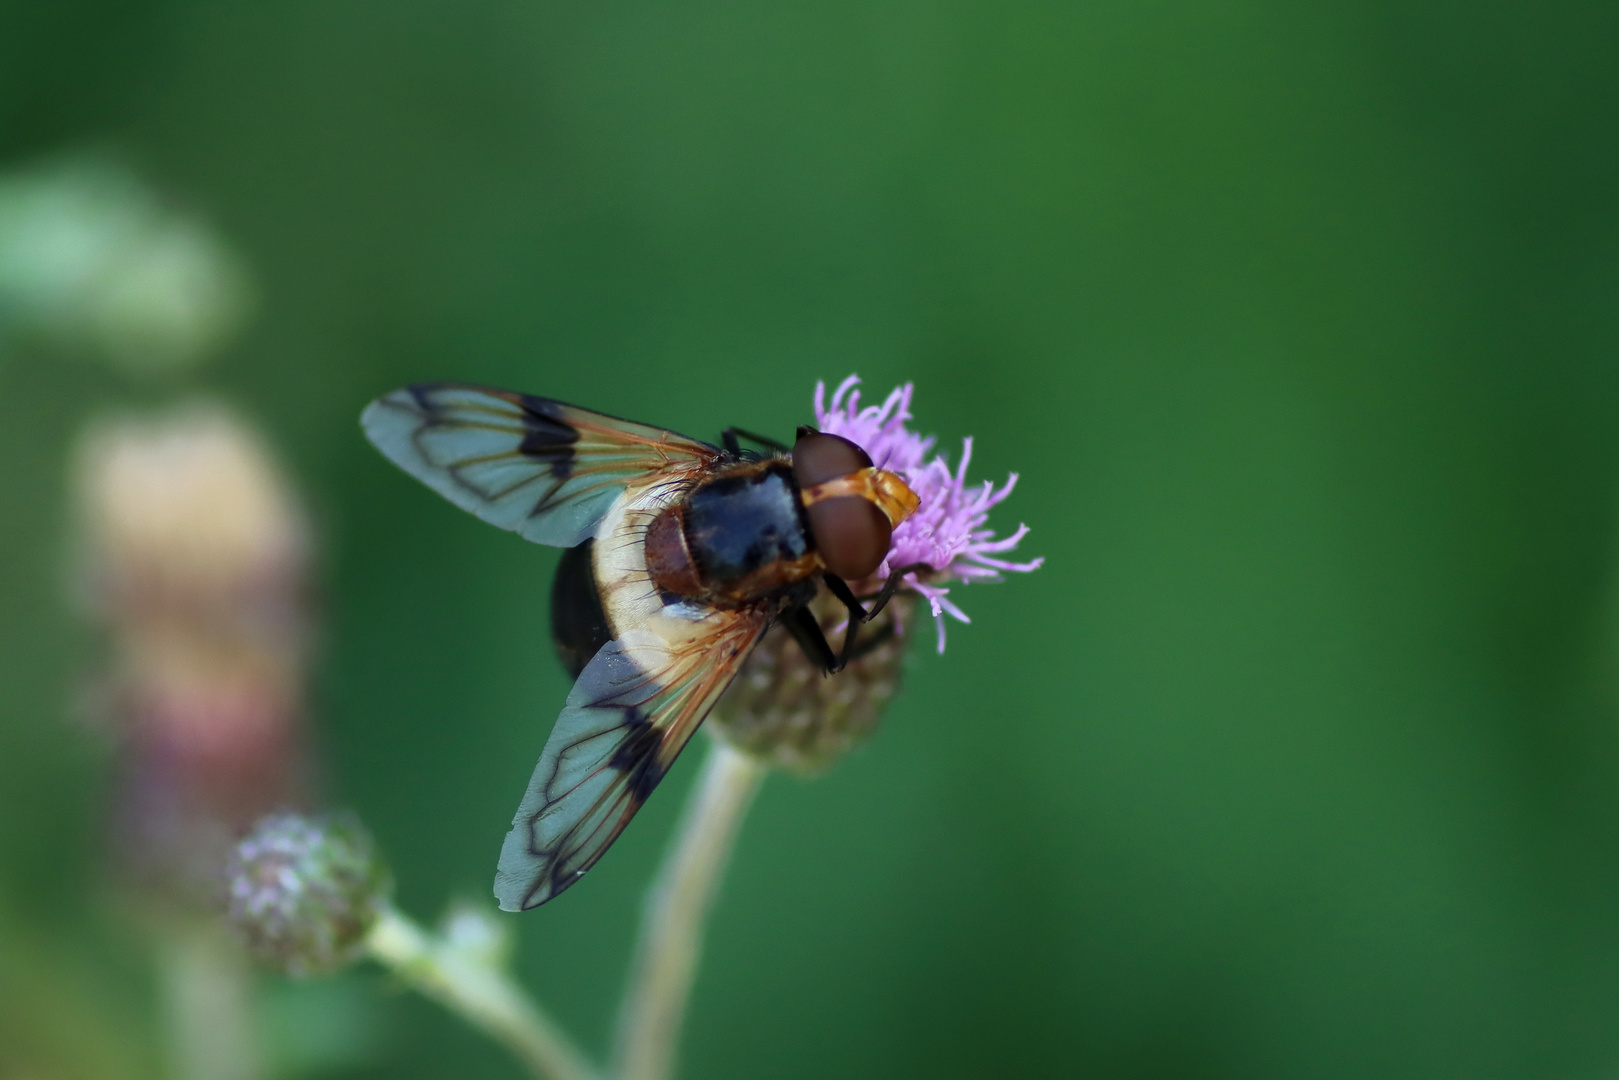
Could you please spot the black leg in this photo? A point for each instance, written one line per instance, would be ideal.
(731, 436)
(869, 642)
(857, 614)
(841, 590)
(892, 585)
(807, 632)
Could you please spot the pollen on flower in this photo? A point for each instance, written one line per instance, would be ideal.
(949, 529)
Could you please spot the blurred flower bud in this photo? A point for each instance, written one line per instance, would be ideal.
(187, 510)
(91, 260)
(784, 710)
(194, 558)
(303, 892)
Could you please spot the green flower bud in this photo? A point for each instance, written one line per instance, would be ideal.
(92, 260)
(304, 892)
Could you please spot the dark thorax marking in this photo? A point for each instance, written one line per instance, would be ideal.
(739, 528)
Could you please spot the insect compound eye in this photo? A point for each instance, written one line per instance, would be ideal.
(852, 535)
(819, 457)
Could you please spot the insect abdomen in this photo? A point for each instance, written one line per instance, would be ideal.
(578, 624)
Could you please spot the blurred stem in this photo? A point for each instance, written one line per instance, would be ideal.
(672, 921)
(482, 994)
(207, 988)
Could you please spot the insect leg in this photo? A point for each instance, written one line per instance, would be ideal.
(841, 590)
(857, 614)
(870, 642)
(807, 632)
(895, 579)
(732, 437)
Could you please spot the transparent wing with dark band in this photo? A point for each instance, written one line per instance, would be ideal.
(629, 715)
(544, 470)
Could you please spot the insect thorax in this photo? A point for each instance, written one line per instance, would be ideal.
(735, 538)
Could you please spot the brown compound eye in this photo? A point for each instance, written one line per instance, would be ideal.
(852, 535)
(818, 457)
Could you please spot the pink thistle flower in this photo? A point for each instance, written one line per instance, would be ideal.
(948, 531)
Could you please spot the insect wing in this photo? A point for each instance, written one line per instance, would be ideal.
(544, 470)
(628, 717)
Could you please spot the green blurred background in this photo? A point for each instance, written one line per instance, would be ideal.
(1300, 757)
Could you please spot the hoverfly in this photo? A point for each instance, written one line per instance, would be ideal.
(682, 554)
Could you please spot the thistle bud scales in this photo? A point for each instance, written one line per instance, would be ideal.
(784, 710)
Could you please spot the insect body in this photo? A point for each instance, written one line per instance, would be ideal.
(682, 555)
(733, 538)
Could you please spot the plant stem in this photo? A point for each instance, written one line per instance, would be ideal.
(207, 989)
(482, 994)
(672, 921)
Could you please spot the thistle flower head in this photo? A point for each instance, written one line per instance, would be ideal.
(302, 892)
(781, 709)
(949, 529)
(785, 711)
(193, 558)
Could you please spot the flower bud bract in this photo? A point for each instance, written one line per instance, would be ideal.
(784, 710)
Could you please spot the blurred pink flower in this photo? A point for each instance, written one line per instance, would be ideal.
(948, 530)
(194, 560)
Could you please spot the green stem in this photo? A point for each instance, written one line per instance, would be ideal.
(207, 990)
(483, 995)
(672, 920)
